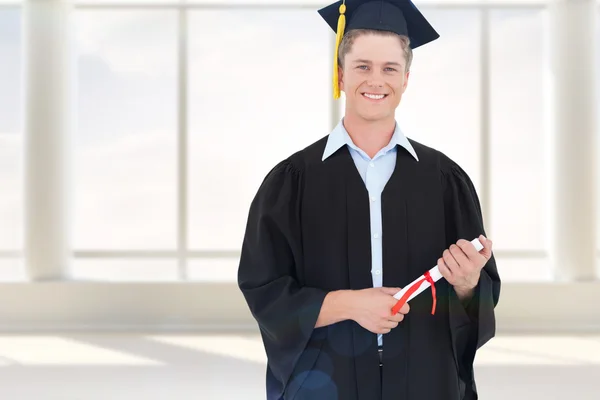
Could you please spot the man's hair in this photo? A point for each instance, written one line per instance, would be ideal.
(350, 37)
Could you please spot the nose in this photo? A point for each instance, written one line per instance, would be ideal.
(375, 80)
(375, 83)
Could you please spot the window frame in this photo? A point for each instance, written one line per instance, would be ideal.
(183, 253)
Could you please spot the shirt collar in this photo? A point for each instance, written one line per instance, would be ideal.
(340, 137)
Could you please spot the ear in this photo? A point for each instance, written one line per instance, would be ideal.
(406, 81)
(341, 78)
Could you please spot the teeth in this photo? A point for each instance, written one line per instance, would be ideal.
(374, 96)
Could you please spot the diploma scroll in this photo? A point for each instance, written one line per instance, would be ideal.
(423, 282)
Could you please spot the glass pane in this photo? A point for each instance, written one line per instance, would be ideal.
(213, 269)
(12, 270)
(518, 136)
(11, 145)
(125, 179)
(598, 134)
(440, 107)
(119, 270)
(251, 106)
(11, 198)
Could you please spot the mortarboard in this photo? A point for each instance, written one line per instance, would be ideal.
(398, 16)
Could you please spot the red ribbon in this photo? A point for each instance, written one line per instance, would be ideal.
(426, 278)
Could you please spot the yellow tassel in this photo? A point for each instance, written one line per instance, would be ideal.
(340, 34)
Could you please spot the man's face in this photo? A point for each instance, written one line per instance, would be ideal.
(374, 77)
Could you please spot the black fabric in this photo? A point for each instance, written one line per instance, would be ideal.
(308, 233)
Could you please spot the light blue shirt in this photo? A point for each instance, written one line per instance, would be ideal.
(375, 174)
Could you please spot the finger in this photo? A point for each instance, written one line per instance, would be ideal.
(389, 324)
(382, 329)
(399, 317)
(405, 309)
(451, 263)
(462, 242)
(389, 290)
(487, 247)
(459, 255)
(469, 249)
(446, 273)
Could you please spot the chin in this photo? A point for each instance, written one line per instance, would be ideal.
(374, 116)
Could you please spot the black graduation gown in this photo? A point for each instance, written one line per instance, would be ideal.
(308, 233)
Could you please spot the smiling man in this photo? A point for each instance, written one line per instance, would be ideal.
(337, 228)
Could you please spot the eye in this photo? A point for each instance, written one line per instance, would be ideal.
(363, 67)
(391, 69)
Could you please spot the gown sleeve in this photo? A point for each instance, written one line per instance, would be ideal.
(271, 258)
(472, 324)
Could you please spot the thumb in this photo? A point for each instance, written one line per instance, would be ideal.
(487, 247)
(389, 290)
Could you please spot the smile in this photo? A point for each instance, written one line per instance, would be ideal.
(372, 96)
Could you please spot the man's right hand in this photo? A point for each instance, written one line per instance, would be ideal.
(372, 309)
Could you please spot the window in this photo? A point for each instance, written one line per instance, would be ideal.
(11, 145)
(441, 105)
(443, 108)
(445, 82)
(518, 132)
(598, 139)
(259, 90)
(125, 178)
(518, 142)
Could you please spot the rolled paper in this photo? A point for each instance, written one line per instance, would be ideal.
(423, 282)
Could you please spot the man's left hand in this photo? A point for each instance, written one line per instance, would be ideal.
(461, 265)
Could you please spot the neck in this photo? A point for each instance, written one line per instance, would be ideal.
(369, 136)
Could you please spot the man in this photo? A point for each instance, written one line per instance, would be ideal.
(337, 228)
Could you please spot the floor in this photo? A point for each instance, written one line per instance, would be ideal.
(152, 367)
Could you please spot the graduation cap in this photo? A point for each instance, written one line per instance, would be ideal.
(398, 16)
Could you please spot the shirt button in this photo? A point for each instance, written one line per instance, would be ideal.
(373, 198)
(377, 272)
(371, 164)
(376, 236)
